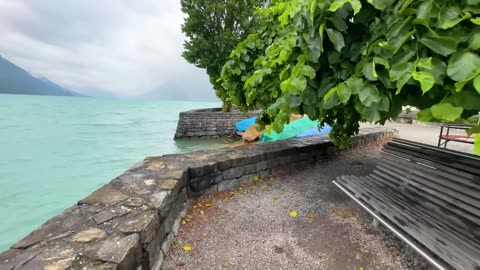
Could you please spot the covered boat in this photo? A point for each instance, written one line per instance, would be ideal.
(291, 130)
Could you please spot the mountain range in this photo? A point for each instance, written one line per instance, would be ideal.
(16, 80)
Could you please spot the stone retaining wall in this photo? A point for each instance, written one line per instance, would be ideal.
(209, 123)
(131, 222)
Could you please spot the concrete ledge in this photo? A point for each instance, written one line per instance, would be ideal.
(210, 123)
(130, 222)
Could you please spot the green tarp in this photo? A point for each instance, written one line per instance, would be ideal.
(290, 131)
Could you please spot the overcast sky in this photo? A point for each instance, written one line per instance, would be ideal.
(119, 47)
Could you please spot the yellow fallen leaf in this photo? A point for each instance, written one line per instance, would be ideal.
(293, 213)
(187, 248)
(361, 268)
(208, 205)
(199, 205)
(256, 178)
(354, 218)
(184, 222)
(311, 215)
(201, 212)
(204, 234)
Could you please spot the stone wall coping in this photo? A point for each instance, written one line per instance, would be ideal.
(210, 123)
(130, 222)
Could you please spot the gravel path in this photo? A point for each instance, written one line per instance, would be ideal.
(251, 227)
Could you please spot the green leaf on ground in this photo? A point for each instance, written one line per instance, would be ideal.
(446, 111)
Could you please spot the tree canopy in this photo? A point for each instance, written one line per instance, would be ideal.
(214, 28)
(350, 61)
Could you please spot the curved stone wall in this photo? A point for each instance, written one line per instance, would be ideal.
(209, 123)
(130, 222)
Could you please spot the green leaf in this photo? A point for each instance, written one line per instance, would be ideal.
(371, 113)
(381, 4)
(298, 83)
(343, 93)
(336, 5)
(356, 5)
(336, 38)
(423, 10)
(369, 94)
(475, 20)
(446, 111)
(294, 101)
(308, 71)
(425, 63)
(449, 16)
(463, 66)
(426, 80)
(459, 86)
(381, 61)
(474, 41)
(401, 73)
(473, 130)
(384, 104)
(425, 115)
(369, 72)
(476, 147)
(339, 23)
(313, 7)
(330, 101)
(309, 97)
(476, 83)
(441, 45)
(329, 94)
(354, 84)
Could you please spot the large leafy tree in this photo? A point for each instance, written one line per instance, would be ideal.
(349, 61)
(214, 28)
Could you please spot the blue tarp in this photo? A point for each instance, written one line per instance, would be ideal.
(245, 123)
(314, 131)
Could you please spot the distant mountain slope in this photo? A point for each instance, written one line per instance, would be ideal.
(15, 80)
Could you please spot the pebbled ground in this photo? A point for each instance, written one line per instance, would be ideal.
(251, 227)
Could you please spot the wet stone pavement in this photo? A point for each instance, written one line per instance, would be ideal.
(255, 227)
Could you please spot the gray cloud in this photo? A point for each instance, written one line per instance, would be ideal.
(124, 47)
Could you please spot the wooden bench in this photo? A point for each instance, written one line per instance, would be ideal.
(429, 197)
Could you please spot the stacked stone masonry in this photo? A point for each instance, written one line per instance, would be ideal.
(210, 123)
(131, 222)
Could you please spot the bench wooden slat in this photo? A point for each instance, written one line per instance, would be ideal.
(454, 154)
(419, 231)
(452, 181)
(433, 211)
(453, 255)
(454, 198)
(445, 158)
(430, 212)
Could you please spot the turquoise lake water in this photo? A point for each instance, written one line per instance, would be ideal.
(56, 150)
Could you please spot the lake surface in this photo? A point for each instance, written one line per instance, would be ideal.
(55, 151)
